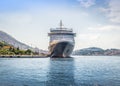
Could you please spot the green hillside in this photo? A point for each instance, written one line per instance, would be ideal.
(6, 49)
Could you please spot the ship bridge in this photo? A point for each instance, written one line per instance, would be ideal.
(61, 30)
(61, 33)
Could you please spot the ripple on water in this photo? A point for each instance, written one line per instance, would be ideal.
(76, 71)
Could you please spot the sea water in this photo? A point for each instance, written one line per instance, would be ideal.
(75, 71)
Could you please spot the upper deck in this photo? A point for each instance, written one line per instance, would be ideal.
(61, 31)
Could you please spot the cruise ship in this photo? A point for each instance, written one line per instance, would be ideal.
(61, 42)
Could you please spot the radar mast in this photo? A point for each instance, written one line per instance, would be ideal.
(61, 24)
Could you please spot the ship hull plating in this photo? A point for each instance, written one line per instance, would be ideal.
(61, 49)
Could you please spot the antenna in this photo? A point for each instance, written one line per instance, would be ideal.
(61, 24)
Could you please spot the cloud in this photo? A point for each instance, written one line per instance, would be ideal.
(88, 36)
(87, 3)
(106, 28)
(104, 36)
(112, 11)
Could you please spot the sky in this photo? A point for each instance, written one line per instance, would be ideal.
(95, 22)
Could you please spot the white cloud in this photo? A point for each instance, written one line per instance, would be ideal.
(113, 11)
(88, 36)
(114, 8)
(87, 3)
(104, 36)
(105, 28)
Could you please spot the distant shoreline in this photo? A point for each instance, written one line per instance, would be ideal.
(22, 56)
(42, 56)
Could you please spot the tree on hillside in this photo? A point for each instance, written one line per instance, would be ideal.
(28, 52)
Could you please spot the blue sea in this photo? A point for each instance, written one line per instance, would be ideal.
(75, 71)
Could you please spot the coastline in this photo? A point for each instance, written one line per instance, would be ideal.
(39, 56)
(22, 56)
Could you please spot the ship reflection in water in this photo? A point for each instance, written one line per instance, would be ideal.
(61, 72)
(77, 71)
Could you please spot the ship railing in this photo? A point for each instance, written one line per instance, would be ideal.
(57, 40)
(59, 29)
(61, 32)
(70, 33)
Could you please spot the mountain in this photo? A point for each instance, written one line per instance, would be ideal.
(95, 51)
(12, 41)
(4, 37)
(112, 52)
